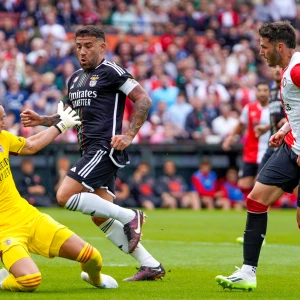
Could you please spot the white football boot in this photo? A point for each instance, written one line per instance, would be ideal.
(107, 281)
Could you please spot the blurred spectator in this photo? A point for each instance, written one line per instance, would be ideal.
(287, 200)
(105, 12)
(229, 194)
(123, 195)
(204, 182)
(122, 18)
(88, 14)
(8, 28)
(14, 98)
(31, 187)
(159, 132)
(66, 16)
(189, 81)
(173, 186)
(62, 168)
(267, 11)
(169, 34)
(178, 113)
(53, 30)
(37, 49)
(11, 124)
(65, 70)
(142, 21)
(166, 93)
(211, 86)
(143, 188)
(31, 11)
(225, 122)
(195, 123)
(287, 9)
(228, 17)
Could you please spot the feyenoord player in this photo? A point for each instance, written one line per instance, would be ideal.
(255, 114)
(281, 172)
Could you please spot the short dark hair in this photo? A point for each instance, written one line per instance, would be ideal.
(262, 83)
(281, 31)
(90, 30)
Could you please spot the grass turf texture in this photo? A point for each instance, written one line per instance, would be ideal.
(194, 247)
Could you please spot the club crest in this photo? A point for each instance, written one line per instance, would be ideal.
(93, 80)
(8, 242)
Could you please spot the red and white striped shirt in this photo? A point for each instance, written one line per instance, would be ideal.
(254, 114)
(290, 97)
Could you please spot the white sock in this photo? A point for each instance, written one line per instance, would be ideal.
(114, 232)
(251, 270)
(144, 257)
(93, 205)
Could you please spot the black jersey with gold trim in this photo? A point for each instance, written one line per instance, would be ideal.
(99, 98)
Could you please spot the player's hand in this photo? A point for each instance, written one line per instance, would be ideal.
(30, 118)
(68, 118)
(226, 145)
(120, 142)
(276, 139)
(259, 130)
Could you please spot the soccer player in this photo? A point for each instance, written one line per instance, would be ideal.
(255, 114)
(277, 117)
(281, 172)
(24, 230)
(97, 92)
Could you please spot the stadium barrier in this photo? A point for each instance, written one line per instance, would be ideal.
(185, 154)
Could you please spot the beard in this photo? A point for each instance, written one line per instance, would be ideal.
(88, 65)
(274, 59)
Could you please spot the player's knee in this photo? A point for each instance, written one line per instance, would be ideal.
(98, 221)
(30, 282)
(255, 206)
(61, 197)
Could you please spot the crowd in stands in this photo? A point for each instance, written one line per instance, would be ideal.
(198, 60)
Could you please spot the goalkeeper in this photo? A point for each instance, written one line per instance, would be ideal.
(25, 230)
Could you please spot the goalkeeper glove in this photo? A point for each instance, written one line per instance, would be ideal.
(68, 118)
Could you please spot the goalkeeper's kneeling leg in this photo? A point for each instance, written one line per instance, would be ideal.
(27, 283)
(91, 263)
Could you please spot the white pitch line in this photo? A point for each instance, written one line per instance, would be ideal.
(196, 242)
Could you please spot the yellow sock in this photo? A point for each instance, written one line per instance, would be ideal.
(91, 263)
(27, 283)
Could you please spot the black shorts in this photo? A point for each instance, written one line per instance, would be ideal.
(248, 169)
(266, 157)
(281, 170)
(98, 167)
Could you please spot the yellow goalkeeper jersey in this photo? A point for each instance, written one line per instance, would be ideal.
(14, 210)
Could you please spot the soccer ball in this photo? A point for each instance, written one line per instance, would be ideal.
(240, 240)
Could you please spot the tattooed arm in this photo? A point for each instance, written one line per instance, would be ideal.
(142, 103)
(30, 118)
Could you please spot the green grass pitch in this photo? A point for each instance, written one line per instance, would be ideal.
(194, 247)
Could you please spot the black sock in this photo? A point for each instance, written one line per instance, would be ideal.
(256, 228)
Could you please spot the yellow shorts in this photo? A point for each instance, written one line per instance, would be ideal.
(39, 236)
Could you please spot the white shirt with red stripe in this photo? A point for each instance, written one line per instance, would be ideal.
(254, 114)
(290, 96)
